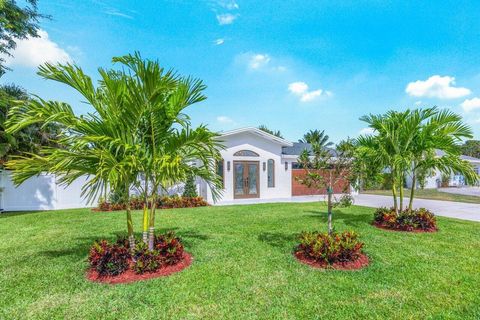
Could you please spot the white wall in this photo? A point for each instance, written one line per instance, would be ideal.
(266, 150)
(41, 193)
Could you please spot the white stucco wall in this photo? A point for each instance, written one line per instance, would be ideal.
(434, 181)
(41, 193)
(266, 150)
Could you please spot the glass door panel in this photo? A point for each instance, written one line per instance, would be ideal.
(252, 179)
(239, 179)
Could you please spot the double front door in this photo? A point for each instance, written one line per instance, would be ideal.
(245, 179)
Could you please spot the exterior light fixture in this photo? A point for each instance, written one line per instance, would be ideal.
(286, 166)
(264, 166)
(228, 165)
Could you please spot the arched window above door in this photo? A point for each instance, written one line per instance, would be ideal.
(246, 153)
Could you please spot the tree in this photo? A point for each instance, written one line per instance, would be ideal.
(190, 190)
(405, 143)
(324, 171)
(272, 132)
(137, 130)
(318, 137)
(16, 23)
(28, 140)
(471, 148)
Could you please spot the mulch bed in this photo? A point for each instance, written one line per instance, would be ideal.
(359, 263)
(380, 226)
(130, 276)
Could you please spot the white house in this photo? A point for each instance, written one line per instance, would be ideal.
(256, 164)
(455, 180)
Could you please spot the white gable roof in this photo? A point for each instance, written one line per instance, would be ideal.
(260, 133)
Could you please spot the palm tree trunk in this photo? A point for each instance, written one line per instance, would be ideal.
(412, 191)
(329, 210)
(394, 193)
(131, 237)
(151, 229)
(401, 194)
(145, 223)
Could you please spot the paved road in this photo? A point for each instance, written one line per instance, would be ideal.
(469, 191)
(459, 210)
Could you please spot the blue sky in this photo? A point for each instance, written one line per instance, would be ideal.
(291, 65)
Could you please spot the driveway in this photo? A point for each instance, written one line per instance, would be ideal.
(468, 191)
(459, 210)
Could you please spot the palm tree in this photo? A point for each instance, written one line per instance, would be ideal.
(102, 144)
(276, 133)
(172, 149)
(318, 137)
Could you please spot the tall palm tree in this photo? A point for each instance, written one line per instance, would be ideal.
(172, 149)
(317, 137)
(102, 144)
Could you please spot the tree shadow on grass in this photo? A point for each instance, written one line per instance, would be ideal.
(353, 220)
(189, 239)
(278, 239)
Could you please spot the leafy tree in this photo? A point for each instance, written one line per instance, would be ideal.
(318, 137)
(190, 190)
(272, 132)
(28, 140)
(406, 143)
(471, 148)
(16, 22)
(137, 129)
(324, 171)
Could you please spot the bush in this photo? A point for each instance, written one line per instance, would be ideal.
(407, 220)
(108, 259)
(145, 260)
(169, 248)
(136, 203)
(345, 201)
(182, 202)
(329, 249)
(190, 190)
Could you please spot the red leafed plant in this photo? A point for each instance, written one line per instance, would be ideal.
(169, 247)
(109, 259)
(407, 220)
(329, 249)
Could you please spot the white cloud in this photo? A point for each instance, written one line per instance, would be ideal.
(229, 5)
(258, 60)
(470, 104)
(417, 103)
(115, 12)
(300, 89)
(32, 52)
(226, 18)
(436, 87)
(366, 131)
(219, 42)
(225, 120)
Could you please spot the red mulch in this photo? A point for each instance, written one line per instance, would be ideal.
(359, 263)
(130, 276)
(381, 226)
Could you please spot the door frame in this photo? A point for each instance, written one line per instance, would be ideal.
(245, 163)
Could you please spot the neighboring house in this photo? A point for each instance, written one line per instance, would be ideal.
(454, 180)
(256, 164)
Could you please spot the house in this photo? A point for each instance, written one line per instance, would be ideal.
(256, 164)
(438, 179)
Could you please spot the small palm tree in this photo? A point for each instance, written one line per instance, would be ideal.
(318, 137)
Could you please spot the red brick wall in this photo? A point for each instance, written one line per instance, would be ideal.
(299, 189)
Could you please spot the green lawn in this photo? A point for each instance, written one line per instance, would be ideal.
(243, 268)
(433, 194)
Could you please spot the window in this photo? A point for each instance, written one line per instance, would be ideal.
(271, 173)
(220, 170)
(246, 153)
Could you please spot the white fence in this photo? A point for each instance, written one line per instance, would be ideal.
(41, 193)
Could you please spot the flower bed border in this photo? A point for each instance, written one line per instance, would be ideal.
(361, 262)
(130, 276)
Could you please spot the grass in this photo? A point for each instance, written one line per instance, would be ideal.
(243, 268)
(432, 194)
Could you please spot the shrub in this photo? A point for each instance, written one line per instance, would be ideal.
(108, 259)
(329, 249)
(407, 220)
(169, 248)
(145, 260)
(190, 190)
(345, 201)
(182, 202)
